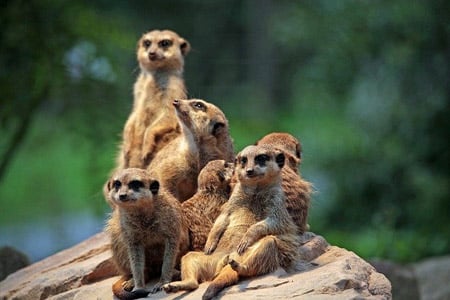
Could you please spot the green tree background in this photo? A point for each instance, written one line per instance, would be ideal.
(363, 84)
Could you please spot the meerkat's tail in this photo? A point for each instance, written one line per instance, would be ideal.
(119, 291)
(226, 277)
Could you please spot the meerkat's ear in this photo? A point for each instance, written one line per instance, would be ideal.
(293, 160)
(217, 128)
(108, 185)
(298, 151)
(279, 159)
(154, 187)
(185, 47)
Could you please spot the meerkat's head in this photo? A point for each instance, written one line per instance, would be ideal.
(215, 176)
(257, 165)
(131, 187)
(201, 118)
(162, 50)
(291, 147)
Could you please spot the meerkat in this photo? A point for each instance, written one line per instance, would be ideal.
(252, 236)
(178, 164)
(152, 123)
(297, 190)
(147, 232)
(202, 209)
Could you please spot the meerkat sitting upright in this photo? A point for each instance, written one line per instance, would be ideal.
(147, 232)
(297, 190)
(202, 209)
(252, 236)
(152, 124)
(177, 165)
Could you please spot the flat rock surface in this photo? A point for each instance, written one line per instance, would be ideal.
(85, 271)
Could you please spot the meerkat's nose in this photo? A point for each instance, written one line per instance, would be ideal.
(176, 102)
(250, 172)
(123, 197)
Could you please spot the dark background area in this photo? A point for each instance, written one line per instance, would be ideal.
(363, 84)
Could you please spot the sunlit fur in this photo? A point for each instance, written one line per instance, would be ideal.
(177, 165)
(297, 190)
(146, 229)
(253, 235)
(152, 123)
(202, 209)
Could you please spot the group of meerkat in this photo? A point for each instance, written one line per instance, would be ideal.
(181, 199)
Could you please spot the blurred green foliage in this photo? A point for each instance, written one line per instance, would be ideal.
(363, 84)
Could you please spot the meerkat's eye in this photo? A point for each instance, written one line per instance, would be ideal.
(262, 159)
(165, 43)
(135, 185)
(243, 160)
(117, 184)
(146, 43)
(198, 105)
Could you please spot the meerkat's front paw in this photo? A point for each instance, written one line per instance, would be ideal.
(170, 288)
(243, 245)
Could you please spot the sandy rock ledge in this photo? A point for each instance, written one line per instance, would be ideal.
(85, 271)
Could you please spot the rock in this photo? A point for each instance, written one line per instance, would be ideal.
(427, 279)
(402, 277)
(433, 276)
(85, 271)
(85, 263)
(11, 260)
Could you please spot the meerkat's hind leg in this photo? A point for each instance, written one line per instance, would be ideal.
(190, 272)
(226, 277)
(261, 258)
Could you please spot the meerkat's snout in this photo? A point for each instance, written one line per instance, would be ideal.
(123, 197)
(250, 172)
(152, 56)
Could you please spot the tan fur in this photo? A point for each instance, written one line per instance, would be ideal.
(252, 236)
(178, 164)
(202, 209)
(147, 231)
(297, 190)
(152, 124)
(216, 146)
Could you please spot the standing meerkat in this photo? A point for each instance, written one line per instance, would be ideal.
(177, 165)
(147, 232)
(297, 190)
(252, 236)
(152, 123)
(202, 209)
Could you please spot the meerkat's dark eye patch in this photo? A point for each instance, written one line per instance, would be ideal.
(262, 159)
(165, 43)
(116, 184)
(154, 187)
(243, 160)
(146, 43)
(199, 105)
(279, 159)
(135, 185)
